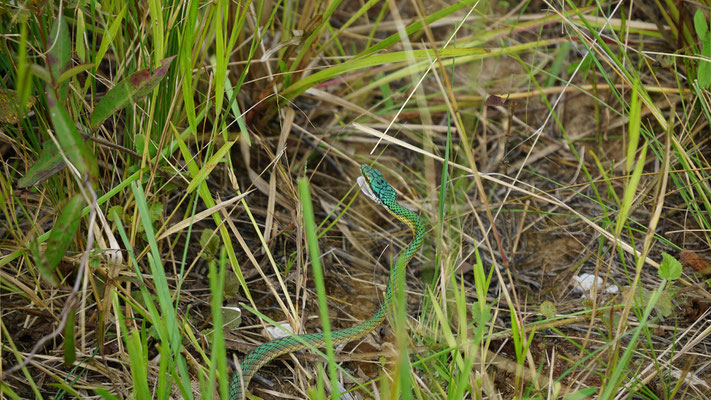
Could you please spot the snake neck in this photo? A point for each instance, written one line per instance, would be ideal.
(397, 272)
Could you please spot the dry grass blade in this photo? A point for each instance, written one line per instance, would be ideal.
(195, 219)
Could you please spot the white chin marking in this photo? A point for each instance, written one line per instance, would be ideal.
(365, 188)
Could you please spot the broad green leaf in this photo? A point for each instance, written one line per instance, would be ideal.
(59, 54)
(129, 90)
(669, 268)
(704, 69)
(69, 139)
(81, 32)
(41, 263)
(63, 232)
(700, 24)
(703, 72)
(49, 163)
(9, 106)
(140, 145)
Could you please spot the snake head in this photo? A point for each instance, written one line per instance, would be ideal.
(373, 185)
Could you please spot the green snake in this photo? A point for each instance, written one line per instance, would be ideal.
(374, 186)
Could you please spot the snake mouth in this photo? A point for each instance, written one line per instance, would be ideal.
(365, 188)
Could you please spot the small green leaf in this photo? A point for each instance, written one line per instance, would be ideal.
(610, 320)
(59, 54)
(664, 305)
(581, 394)
(585, 65)
(155, 210)
(41, 263)
(548, 309)
(74, 71)
(69, 139)
(129, 90)
(10, 107)
(140, 146)
(40, 72)
(104, 394)
(700, 24)
(232, 286)
(210, 243)
(232, 317)
(63, 232)
(669, 268)
(115, 212)
(49, 163)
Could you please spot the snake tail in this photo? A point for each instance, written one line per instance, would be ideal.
(375, 187)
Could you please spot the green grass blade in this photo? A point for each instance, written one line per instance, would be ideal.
(218, 361)
(316, 269)
(110, 34)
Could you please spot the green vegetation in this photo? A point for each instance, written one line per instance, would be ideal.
(156, 155)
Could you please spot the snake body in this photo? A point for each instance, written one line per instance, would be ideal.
(377, 189)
